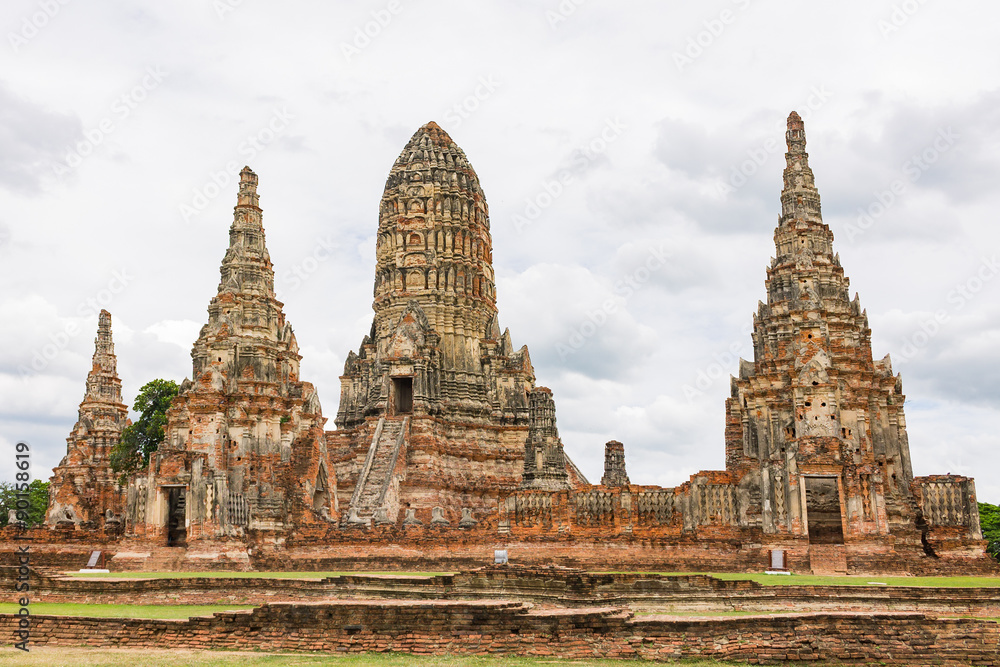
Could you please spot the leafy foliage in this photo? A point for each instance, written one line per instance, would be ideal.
(37, 497)
(989, 521)
(143, 437)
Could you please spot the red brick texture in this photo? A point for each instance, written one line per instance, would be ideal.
(512, 628)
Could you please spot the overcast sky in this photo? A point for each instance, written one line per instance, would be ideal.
(631, 156)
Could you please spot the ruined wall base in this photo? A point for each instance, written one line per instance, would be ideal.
(550, 587)
(513, 628)
(334, 547)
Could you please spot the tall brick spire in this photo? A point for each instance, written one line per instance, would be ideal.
(799, 198)
(804, 264)
(103, 384)
(813, 400)
(247, 268)
(246, 309)
(244, 436)
(83, 487)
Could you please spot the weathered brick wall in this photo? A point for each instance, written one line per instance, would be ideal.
(432, 548)
(551, 587)
(511, 628)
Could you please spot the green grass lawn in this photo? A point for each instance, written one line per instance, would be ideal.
(765, 579)
(123, 610)
(817, 580)
(42, 656)
(247, 575)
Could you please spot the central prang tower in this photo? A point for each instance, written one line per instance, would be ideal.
(435, 298)
(434, 407)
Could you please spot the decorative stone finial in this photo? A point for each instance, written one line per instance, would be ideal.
(248, 188)
(796, 134)
(799, 196)
(102, 382)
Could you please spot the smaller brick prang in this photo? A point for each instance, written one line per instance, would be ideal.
(614, 465)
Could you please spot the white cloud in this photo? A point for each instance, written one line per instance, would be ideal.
(63, 238)
(182, 333)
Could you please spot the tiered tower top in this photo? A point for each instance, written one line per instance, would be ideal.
(434, 247)
(246, 334)
(805, 275)
(814, 390)
(103, 383)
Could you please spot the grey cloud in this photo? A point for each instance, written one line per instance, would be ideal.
(32, 140)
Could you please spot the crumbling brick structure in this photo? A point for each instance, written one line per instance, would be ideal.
(446, 449)
(434, 407)
(83, 490)
(817, 457)
(244, 448)
(614, 465)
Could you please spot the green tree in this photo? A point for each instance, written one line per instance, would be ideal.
(37, 497)
(989, 521)
(143, 437)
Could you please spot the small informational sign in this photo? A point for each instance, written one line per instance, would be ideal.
(500, 557)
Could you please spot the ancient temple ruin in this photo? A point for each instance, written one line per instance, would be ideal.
(83, 490)
(244, 450)
(434, 407)
(445, 448)
(814, 417)
(817, 458)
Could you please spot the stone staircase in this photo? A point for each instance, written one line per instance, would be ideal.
(376, 475)
(827, 559)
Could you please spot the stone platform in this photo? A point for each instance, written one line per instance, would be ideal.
(537, 611)
(551, 587)
(516, 628)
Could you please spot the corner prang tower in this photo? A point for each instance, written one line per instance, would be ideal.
(814, 415)
(83, 487)
(244, 450)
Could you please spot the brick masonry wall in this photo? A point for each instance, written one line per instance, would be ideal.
(554, 588)
(513, 628)
(432, 548)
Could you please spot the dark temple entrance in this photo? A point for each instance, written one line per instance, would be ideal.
(176, 516)
(823, 510)
(403, 395)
